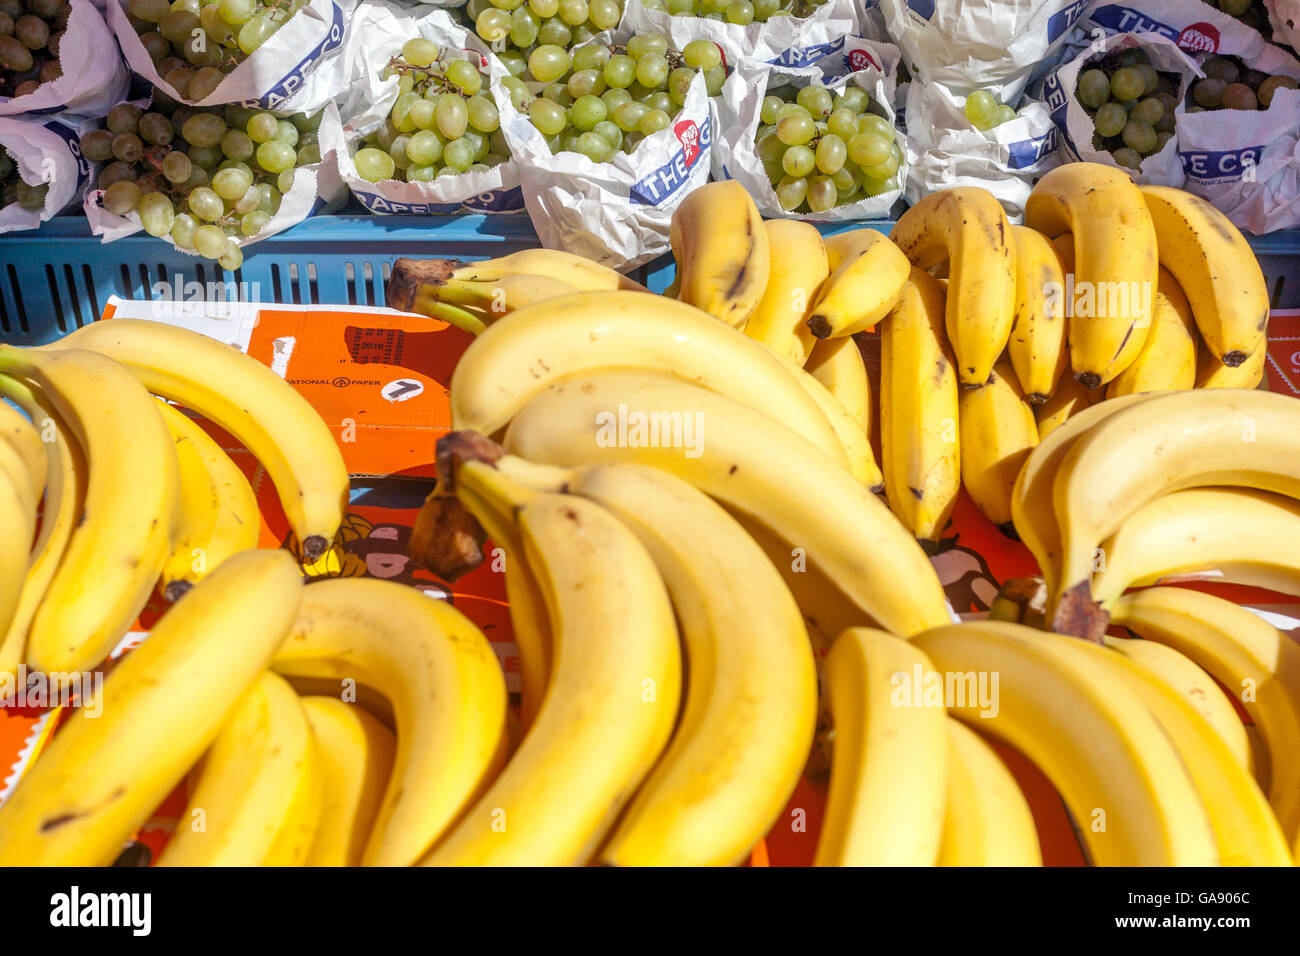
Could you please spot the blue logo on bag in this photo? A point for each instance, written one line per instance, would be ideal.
(1028, 152)
(1062, 20)
(1229, 164)
(293, 80)
(500, 200)
(802, 56)
(1058, 101)
(73, 139)
(1117, 19)
(667, 179)
(921, 8)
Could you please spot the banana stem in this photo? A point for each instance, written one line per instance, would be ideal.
(452, 315)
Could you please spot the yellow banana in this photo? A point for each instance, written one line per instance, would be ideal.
(1119, 774)
(755, 467)
(22, 453)
(867, 274)
(1216, 267)
(987, 821)
(967, 227)
(530, 349)
(218, 513)
(918, 410)
(355, 752)
(443, 681)
(889, 756)
(1187, 679)
(998, 432)
(780, 320)
(1037, 343)
(854, 440)
(117, 550)
(1115, 264)
(121, 753)
(1212, 373)
(266, 414)
(1167, 361)
(14, 550)
(722, 251)
(838, 365)
(1069, 399)
(612, 702)
(257, 798)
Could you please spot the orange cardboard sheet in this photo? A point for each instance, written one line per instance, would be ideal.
(379, 379)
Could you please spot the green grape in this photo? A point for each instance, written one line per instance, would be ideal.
(573, 12)
(628, 116)
(843, 122)
(714, 78)
(518, 91)
(205, 204)
(679, 83)
(548, 117)
(122, 197)
(798, 161)
(231, 183)
(210, 241)
(421, 174)
(544, 9)
(791, 192)
(493, 25)
(514, 61)
(831, 154)
(206, 156)
(548, 63)
(791, 109)
(586, 112)
(619, 71)
(157, 214)
(604, 14)
(591, 57)
(418, 51)
(151, 11)
(309, 155)
(451, 115)
(644, 43)
(878, 125)
(507, 4)
(256, 32)
(1150, 77)
(400, 114)
(465, 76)
(765, 9)
(249, 201)
(652, 70)
(816, 100)
(795, 130)
(420, 114)
(681, 7)
(594, 146)
(1094, 89)
(374, 165)
(881, 171)
(767, 112)
(615, 98)
(286, 132)
(555, 33)
(397, 150)
(235, 164)
(204, 82)
(1140, 136)
(610, 132)
(702, 54)
(262, 127)
(1127, 83)
(237, 144)
(1239, 96)
(981, 109)
(1110, 120)
(770, 147)
(1149, 110)
(585, 83)
(868, 149)
(822, 194)
(845, 182)
(458, 154)
(740, 12)
(276, 157)
(252, 223)
(237, 12)
(204, 129)
(654, 121)
(1127, 157)
(127, 147)
(183, 229)
(855, 98)
(232, 258)
(1209, 92)
(482, 114)
(284, 182)
(660, 101)
(176, 167)
(558, 93)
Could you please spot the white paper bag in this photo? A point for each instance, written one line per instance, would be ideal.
(378, 33)
(760, 41)
(278, 75)
(1284, 17)
(947, 150)
(1075, 125)
(969, 45)
(94, 76)
(738, 117)
(45, 152)
(316, 189)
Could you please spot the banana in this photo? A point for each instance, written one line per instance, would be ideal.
(867, 274)
(1037, 343)
(757, 468)
(443, 681)
(117, 550)
(490, 299)
(266, 414)
(612, 702)
(111, 764)
(998, 431)
(1186, 678)
(218, 513)
(1245, 654)
(854, 440)
(257, 797)
(1216, 267)
(967, 227)
(1120, 776)
(1245, 831)
(987, 821)
(355, 753)
(780, 320)
(1212, 373)
(1115, 263)
(918, 410)
(731, 766)
(838, 365)
(1069, 399)
(1170, 441)
(1167, 361)
(15, 547)
(1234, 535)
(1032, 507)
(65, 489)
(19, 440)
(525, 352)
(889, 756)
(722, 251)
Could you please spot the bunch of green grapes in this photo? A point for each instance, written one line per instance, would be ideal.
(605, 99)
(30, 34)
(514, 28)
(736, 11)
(1230, 85)
(194, 44)
(985, 112)
(443, 123)
(1131, 105)
(822, 149)
(14, 189)
(204, 177)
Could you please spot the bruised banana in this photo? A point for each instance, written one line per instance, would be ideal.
(1115, 263)
(780, 320)
(967, 227)
(722, 252)
(755, 467)
(1037, 343)
(998, 432)
(1167, 361)
(918, 410)
(866, 278)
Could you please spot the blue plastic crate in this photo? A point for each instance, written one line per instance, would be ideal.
(57, 278)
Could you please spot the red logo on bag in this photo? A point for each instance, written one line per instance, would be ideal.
(688, 134)
(860, 60)
(1200, 38)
